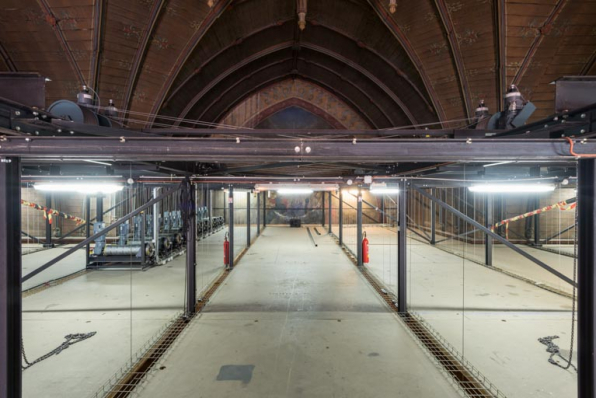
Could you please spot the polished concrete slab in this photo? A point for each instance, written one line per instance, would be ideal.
(295, 320)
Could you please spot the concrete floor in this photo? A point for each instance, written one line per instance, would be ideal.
(126, 308)
(280, 310)
(494, 320)
(293, 320)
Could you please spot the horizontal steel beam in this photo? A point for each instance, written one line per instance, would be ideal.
(307, 150)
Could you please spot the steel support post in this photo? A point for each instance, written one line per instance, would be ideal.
(210, 209)
(248, 219)
(330, 212)
(191, 256)
(99, 208)
(323, 208)
(383, 209)
(359, 228)
(264, 209)
(433, 219)
(402, 303)
(10, 278)
(586, 320)
(231, 224)
(142, 236)
(87, 227)
(537, 224)
(341, 218)
(156, 225)
(488, 223)
(258, 213)
(48, 242)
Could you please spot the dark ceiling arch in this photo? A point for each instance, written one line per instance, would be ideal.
(358, 97)
(267, 30)
(287, 103)
(288, 45)
(221, 114)
(355, 104)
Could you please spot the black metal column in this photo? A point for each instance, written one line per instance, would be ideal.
(323, 208)
(359, 228)
(191, 256)
(488, 223)
(341, 218)
(87, 227)
(586, 320)
(99, 208)
(10, 278)
(210, 209)
(537, 223)
(48, 242)
(231, 224)
(402, 303)
(264, 209)
(248, 219)
(258, 213)
(433, 219)
(330, 212)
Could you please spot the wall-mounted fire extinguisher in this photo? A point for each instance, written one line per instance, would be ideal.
(226, 251)
(365, 255)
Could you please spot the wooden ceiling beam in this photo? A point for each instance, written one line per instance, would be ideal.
(141, 51)
(98, 21)
(501, 50)
(543, 31)
(218, 8)
(54, 22)
(378, 6)
(7, 60)
(457, 56)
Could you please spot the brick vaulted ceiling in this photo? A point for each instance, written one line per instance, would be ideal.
(431, 60)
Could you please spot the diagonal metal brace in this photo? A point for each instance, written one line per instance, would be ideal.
(494, 236)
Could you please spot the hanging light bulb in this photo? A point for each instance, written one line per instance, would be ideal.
(210, 3)
(392, 6)
(302, 6)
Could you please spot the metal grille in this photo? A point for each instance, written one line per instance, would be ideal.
(54, 282)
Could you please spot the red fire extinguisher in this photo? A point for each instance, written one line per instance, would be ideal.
(226, 251)
(365, 254)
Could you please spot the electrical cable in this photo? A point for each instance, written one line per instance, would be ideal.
(577, 155)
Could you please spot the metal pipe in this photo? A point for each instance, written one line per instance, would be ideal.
(48, 242)
(330, 212)
(402, 303)
(341, 218)
(248, 219)
(258, 214)
(231, 224)
(97, 235)
(10, 278)
(191, 256)
(156, 224)
(264, 209)
(586, 322)
(323, 208)
(488, 222)
(210, 210)
(87, 228)
(359, 228)
(537, 224)
(143, 221)
(433, 219)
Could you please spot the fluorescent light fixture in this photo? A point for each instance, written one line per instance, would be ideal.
(512, 188)
(87, 188)
(384, 191)
(312, 187)
(380, 188)
(292, 191)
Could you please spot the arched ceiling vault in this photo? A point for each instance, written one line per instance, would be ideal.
(431, 60)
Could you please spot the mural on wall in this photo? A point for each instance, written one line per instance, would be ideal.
(282, 208)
